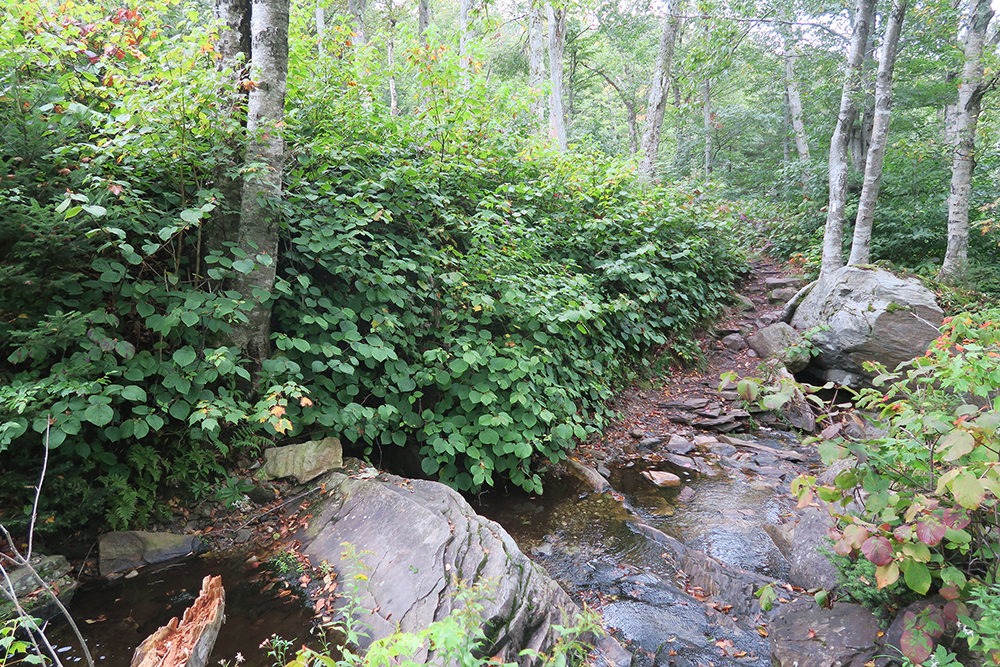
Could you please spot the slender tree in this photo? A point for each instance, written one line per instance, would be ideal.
(423, 19)
(260, 212)
(464, 38)
(536, 62)
(656, 106)
(557, 44)
(833, 233)
(861, 243)
(963, 162)
(795, 106)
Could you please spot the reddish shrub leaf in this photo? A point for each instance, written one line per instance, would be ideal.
(931, 530)
(878, 550)
(950, 593)
(903, 533)
(916, 645)
(956, 518)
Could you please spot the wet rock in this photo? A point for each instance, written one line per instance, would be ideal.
(873, 316)
(734, 342)
(136, 548)
(262, 494)
(803, 634)
(704, 440)
(242, 536)
(681, 461)
(637, 434)
(593, 479)
(661, 478)
(651, 442)
(722, 449)
(774, 341)
(54, 571)
(781, 535)
(543, 550)
(304, 462)
(679, 445)
(419, 538)
(686, 495)
(811, 568)
(687, 404)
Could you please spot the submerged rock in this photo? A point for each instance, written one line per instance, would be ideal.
(661, 478)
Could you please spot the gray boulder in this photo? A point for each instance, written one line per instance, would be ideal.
(418, 539)
(873, 316)
(775, 340)
(811, 568)
(304, 462)
(54, 571)
(803, 634)
(135, 548)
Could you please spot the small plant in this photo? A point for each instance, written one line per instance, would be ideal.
(233, 492)
(983, 633)
(14, 651)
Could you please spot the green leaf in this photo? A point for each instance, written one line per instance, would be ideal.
(957, 444)
(155, 422)
(179, 410)
(134, 393)
(968, 490)
(917, 576)
(99, 415)
(184, 356)
(243, 265)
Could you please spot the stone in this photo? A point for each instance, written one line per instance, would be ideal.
(304, 462)
(679, 445)
(803, 634)
(687, 404)
(593, 479)
(637, 434)
(261, 494)
(774, 341)
(722, 449)
(782, 295)
(734, 342)
(242, 536)
(810, 567)
(135, 548)
(680, 461)
(789, 281)
(661, 478)
(770, 317)
(843, 378)
(686, 495)
(651, 441)
(743, 303)
(418, 539)
(704, 440)
(873, 316)
(54, 571)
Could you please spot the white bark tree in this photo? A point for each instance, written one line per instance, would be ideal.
(963, 162)
(707, 125)
(656, 106)
(536, 60)
(464, 38)
(833, 234)
(861, 243)
(795, 106)
(260, 213)
(356, 8)
(423, 19)
(557, 44)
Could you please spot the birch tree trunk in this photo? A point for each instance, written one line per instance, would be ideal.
(833, 233)
(356, 8)
(557, 43)
(706, 118)
(795, 108)
(320, 25)
(861, 243)
(464, 8)
(423, 19)
(536, 62)
(390, 57)
(259, 215)
(657, 104)
(963, 160)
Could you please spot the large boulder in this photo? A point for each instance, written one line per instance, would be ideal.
(135, 548)
(781, 341)
(873, 315)
(303, 462)
(803, 634)
(418, 539)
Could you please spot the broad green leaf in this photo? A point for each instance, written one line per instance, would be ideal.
(957, 444)
(184, 356)
(968, 490)
(99, 415)
(917, 576)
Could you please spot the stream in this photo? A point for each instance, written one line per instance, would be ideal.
(605, 549)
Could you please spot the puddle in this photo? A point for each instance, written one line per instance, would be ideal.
(116, 616)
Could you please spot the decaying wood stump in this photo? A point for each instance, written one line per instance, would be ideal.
(189, 641)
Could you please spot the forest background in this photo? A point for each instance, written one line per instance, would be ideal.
(460, 230)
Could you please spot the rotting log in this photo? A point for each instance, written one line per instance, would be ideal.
(187, 642)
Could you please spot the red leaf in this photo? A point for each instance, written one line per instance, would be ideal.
(930, 530)
(956, 518)
(878, 550)
(903, 533)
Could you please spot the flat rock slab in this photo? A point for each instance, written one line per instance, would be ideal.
(661, 478)
(304, 462)
(803, 634)
(135, 548)
(55, 571)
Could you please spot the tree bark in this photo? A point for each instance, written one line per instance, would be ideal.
(557, 43)
(356, 8)
(536, 62)
(423, 19)
(320, 24)
(706, 117)
(260, 212)
(390, 57)
(963, 161)
(656, 106)
(861, 243)
(795, 108)
(833, 234)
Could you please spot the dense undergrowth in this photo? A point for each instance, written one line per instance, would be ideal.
(444, 286)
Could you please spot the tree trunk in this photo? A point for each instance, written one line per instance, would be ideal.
(260, 213)
(657, 104)
(423, 19)
(464, 8)
(833, 234)
(706, 118)
(557, 42)
(320, 25)
(536, 62)
(390, 57)
(861, 244)
(963, 161)
(786, 121)
(680, 137)
(795, 108)
(356, 8)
